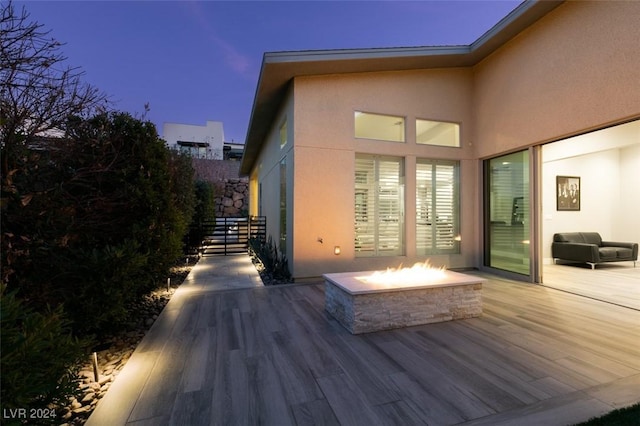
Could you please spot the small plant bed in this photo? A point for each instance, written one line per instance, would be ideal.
(271, 263)
(114, 351)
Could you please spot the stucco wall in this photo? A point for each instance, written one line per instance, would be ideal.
(576, 69)
(325, 149)
(267, 173)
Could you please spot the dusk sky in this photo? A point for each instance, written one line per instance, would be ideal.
(199, 61)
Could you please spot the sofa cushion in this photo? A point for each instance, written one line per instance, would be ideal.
(578, 237)
(624, 253)
(568, 237)
(592, 238)
(607, 253)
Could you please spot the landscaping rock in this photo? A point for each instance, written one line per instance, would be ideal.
(113, 359)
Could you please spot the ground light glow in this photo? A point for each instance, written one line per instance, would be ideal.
(420, 273)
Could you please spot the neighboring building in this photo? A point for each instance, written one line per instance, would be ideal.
(451, 153)
(214, 161)
(233, 151)
(199, 141)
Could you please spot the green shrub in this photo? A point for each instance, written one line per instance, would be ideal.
(205, 207)
(628, 416)
(205, 210)
(95, 219)
(274, 261)
(38, 356)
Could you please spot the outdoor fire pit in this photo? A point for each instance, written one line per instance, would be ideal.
(371, 301)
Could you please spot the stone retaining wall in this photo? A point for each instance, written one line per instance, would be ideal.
(233, 200)
(232, 191)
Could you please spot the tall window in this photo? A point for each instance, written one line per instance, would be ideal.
(283, 206)
(437, 207)
(379, 206)
(283, 134)
(508, 213)
(378, 126)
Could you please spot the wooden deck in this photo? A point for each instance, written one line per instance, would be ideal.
(273, 356)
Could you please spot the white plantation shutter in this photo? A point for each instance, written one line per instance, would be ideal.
(365, 241)
(424, 208)
(437, 212)
(378, 206)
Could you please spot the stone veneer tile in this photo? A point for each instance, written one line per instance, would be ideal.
(362, 313)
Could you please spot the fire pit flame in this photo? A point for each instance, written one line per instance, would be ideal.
(420, 273)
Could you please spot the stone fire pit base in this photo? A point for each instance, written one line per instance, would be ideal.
(363, 307)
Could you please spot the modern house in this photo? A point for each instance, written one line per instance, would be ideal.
(370, 158)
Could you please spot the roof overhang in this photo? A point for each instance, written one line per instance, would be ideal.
(279, 68)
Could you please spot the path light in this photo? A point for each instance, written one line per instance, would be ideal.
(168, 284)
(94, 358)
(96, 372)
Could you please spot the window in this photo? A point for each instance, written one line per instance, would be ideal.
(283, 206)
(379, 206)
(194, 149)
(437, 133)
(381, 127)
(437, 207)
(283, 134)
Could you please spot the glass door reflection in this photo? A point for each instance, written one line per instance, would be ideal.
(508, 213)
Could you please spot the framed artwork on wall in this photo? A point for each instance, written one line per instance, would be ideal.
(567, 193)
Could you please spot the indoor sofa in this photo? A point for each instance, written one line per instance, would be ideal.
(588, 247)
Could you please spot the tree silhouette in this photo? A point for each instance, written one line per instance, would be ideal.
(38, 91)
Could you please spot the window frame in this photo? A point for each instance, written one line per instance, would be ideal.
(375, 197)
(377, 137)
(457, 136)
(283, 205)
(444, 237)
(282, 130)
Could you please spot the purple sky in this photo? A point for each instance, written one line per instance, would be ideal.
(199, 61)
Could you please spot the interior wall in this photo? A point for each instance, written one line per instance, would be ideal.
(609, 187)
(627, 223)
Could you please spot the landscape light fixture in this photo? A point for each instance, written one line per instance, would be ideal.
(96, 371)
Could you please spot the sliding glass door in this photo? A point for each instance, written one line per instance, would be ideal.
(508, 213)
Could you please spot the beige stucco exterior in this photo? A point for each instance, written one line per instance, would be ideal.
(575, 69)
(325, 149)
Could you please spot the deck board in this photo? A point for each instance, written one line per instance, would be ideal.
(273, 356)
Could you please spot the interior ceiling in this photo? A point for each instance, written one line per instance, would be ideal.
(616, 137)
